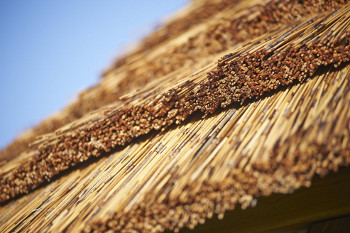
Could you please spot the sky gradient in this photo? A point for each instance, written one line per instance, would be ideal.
(51, 50)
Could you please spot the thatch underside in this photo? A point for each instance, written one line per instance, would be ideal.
(266, 118)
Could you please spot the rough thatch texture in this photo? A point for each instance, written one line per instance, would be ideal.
(215, 26)
(218, 124)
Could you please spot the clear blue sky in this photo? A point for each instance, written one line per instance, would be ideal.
(50, 50)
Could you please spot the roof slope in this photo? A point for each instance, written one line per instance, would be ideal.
(265, 118)
(195, 37)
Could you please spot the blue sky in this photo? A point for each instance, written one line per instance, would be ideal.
(51, 50)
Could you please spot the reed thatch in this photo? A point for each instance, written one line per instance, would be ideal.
(239, 99)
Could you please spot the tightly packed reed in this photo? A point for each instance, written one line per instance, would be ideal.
(177, 49)
(265, 118)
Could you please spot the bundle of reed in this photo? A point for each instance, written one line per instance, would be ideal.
(265, 118)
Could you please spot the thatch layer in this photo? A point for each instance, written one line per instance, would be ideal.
(187, 173)
(233, 22)
(265, 118)
(252, 73)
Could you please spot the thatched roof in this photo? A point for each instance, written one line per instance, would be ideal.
(236, 100)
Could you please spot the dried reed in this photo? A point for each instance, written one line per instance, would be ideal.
(266, 118)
